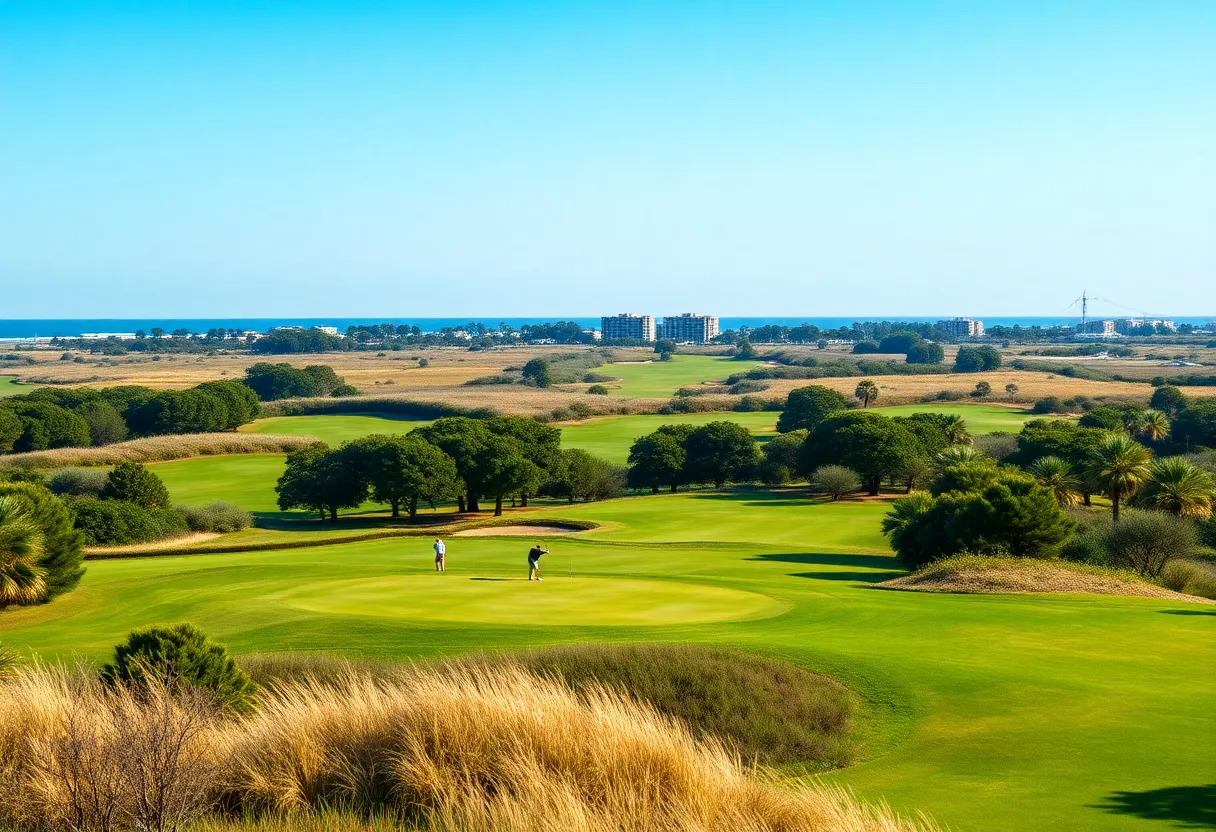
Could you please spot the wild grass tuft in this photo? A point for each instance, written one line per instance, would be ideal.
(474, 750)
(160, 449)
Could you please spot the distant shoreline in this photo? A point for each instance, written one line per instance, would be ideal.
(74, 327)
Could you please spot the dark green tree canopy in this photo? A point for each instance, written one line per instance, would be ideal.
(719, 452)
(132, 482)
(537, 372)
(1196, 424)
(240, 402)
(403, 470)
(865, 348)
(11, 429)
(806, 407)
(926, 353)
(871, 444)
(899, 342)
(106, 425)
(45, 425)
(1168, 399)
(1011, 515)
(320, 480)
(976, 359)
(657, 459)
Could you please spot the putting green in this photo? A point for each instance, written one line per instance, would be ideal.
(10, 387)
(607, 602)
(333, 430)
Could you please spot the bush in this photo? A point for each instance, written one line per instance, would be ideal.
(976, 359)
(182, 654)
(835, 480)
(218, 516)
(1146, 541)
(1049, 404)
(1190, 577)
(343, 390)
(78, 482)
(773, 473)
(946, 396)
(597, 390)
(115, 522)
(132, 482)
(998, 445)
(865, 348)
(747, 386)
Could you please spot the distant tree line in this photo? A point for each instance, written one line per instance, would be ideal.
(455, 458)
(78, 417)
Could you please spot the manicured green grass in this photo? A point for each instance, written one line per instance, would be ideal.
(663, 378)
(988, 712)
(609, 437)
(245, 479)
(333, 430)
(10, 387)
(980, 418)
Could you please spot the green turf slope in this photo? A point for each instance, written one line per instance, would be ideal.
(335, 429)
(988, 712)
(660, 379)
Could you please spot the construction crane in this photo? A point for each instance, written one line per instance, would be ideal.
(1085, 299)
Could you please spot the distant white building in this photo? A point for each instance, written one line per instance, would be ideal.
(963, 327)
(328, 330)
(1104, 329)
(689, 327)
(627, 326)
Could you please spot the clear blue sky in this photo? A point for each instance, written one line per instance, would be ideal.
(450, 158)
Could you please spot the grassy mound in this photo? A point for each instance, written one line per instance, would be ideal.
(473, 749)
(984, 574)
(765, 709)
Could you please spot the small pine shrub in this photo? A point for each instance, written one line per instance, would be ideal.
(132, 482)
(182, 654)
(220, 517)
(344, 390)
(597, 390)
(78, 482)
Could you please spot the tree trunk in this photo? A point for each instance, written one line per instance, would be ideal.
(719, 483)
(498, 506)
(909, 484)
(654, 489)
(333, 513)
(471, 502)
(570, 496)
(673, 488)
(872, 485)
(1114, 506)
(523, 499)
(396, 504)
(460, 503)
(413, 509)
(1086, 498)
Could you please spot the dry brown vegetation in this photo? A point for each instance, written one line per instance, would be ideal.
(983, 574)
(160, 449)
(472, 750)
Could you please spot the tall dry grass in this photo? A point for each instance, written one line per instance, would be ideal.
(160, 449)
(474, 750)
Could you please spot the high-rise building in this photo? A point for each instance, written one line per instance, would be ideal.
(963, 327)
(1103, 328)
(690, 326)
(627, 326)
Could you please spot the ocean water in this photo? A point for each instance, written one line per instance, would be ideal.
(46, 328)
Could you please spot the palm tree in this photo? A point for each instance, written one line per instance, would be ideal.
(1153, 425)
(1177, 486)
(21, 543)
(866, 392)
(1119, 466)
(1057, 474)
(958, 455)
(955, 427)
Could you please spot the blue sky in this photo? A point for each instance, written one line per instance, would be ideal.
(546, 158)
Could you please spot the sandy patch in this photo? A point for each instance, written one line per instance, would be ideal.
(515, 531)
(152, 545)
(1027, 576)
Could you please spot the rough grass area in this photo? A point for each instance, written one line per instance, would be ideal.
(467, 750)
(984, 574)
(160, 449)
(762, 708)
(767, 710)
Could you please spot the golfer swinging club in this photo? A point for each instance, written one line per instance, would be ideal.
(440, 550)
(534, 561)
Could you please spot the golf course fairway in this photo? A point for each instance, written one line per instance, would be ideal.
(989, 712)
(518, 601)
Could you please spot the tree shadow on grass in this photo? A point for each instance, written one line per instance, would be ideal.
(1189, 807)
(1189, 612)
(878, 567)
